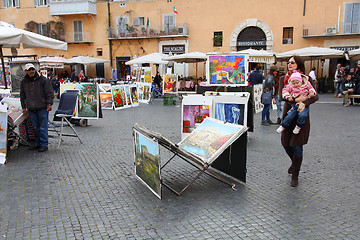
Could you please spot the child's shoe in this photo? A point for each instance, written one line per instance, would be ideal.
(280, 129)
(296, 130)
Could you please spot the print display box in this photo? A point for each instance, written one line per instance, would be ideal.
(205, 148)
(147, 162)
(227, 70)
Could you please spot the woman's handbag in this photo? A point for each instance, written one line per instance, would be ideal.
(266, 98)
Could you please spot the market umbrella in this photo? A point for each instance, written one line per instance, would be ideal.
(152, 58)
(11, 37)
(191, 57)
(354, 54)
(52, 62)
(86, 60)
(310, 53)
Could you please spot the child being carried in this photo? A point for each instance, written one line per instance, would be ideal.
(296, 89)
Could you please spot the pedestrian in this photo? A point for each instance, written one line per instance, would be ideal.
(348, 87)
(255, 77)
(55, 82)
(36, 96)
(313, 76)
(340, 79)
(279, 103)
(81, 76)
(336, 79)
(158, 80)
(73, 76)
(268, 88)
(293, 143)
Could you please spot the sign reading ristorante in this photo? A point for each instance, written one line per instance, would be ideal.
(250, 43)
(173, 48)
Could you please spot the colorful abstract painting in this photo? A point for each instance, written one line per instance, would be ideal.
(147, 162)
(227, 69)
(88, 102)
(7, 74)
(106, 100)
(3, 133)
(170, 83)
(211, 138)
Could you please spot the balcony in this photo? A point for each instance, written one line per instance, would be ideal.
(153, 31)
(78, 38)
(320, 30)
(69, 7)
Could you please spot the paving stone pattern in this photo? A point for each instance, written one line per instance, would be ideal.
(89, 190)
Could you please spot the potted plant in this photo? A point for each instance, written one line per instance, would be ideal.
(217, 41)
(174, 31)
(152, 32)
(132, 30)
(162, 33)
(143, 31)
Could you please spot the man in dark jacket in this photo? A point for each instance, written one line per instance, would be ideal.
(36, 96)
(255, 77)
(348, 89)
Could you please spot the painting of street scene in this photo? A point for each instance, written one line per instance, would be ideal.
(147, 162)
(227, 70)
(209, 138)
(88, 105)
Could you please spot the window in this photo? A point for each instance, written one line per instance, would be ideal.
(42, 28)
(288, 35)
(11, 3)
(218, 38)
(139, 21)
(121, 23)
(38, 3)
(78, 31)
(99, 52)
(169, 22)
(352, 18)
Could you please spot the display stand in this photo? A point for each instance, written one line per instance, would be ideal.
(225, 161)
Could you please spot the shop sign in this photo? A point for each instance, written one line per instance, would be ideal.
(178, 49)
(51, 65)
(250, 43)
(262, 59)
(346, 48)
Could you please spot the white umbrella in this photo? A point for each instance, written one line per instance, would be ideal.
(191, 57)
(310, 53)
(86, 60)
(13, 37)
(261, 56)
(52, 60)
(152, 58)
(354, 54)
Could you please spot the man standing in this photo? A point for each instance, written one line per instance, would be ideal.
(36, 96)
(255, 77)
(336, 79)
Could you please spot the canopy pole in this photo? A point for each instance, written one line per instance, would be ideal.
(3, 66)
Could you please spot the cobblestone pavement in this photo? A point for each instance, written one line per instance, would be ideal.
(89, 190)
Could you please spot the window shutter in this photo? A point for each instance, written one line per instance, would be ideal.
(348, 17)
(17, 4)
(36, 3)
(136, 21)
(5, 4)
(78, 34)
(121, 24)
(356, 18)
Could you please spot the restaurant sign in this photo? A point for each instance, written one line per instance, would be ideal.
(262, 59)
(178, 49)
(250, 43)
(346, 48)
(51, 65)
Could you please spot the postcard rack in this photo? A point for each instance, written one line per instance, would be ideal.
(188, 157)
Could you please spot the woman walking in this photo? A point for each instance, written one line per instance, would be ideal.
(293, 143)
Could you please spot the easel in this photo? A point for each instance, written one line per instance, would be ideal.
(195, 161)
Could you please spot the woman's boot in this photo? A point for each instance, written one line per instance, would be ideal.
(296, 169)
(291, 168)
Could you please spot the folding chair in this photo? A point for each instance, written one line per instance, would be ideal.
(64, 113)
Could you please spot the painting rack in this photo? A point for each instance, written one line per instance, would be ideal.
(195, 161)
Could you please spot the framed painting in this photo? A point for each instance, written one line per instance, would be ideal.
(134, 95)
(104, 87)
(88, 102)
(258, 89)
(106, 100)
(170, 85)
(147, 75)
(228, 70)
(118, 97)
(147, 162)
(3, 133)
(195, 108)
(14, 110)
(7, 74)
(67, 86)
(231, 109)
(211, 138)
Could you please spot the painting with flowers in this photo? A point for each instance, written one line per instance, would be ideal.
(118, 97)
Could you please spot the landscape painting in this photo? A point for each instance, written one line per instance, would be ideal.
(147, 162)
(227, 70)
(147, 75)
(67, 86)
(211, 138)
(106, 100)
(88, 102)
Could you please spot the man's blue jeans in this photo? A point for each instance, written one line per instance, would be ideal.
(265, 115)
(292, 113)
(39, 120)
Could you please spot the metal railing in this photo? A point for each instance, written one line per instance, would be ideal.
(328, 29)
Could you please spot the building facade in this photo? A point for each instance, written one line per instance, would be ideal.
(122, 30)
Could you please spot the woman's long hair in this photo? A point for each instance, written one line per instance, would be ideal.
(300, 63)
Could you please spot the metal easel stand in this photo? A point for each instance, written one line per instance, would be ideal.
(204, 168)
